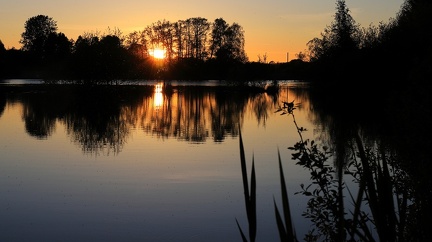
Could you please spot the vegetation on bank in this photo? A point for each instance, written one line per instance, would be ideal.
(197, 49)
(359, 191)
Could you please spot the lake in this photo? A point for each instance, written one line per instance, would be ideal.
(147, 161)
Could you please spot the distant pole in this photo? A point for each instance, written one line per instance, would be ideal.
(287, 56)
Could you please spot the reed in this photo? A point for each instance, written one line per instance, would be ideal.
(285, 227)
(284, 220)
(249, 196)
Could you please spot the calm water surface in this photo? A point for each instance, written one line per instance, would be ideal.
(143, 165)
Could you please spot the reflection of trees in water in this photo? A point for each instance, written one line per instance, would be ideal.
(38, 124)
(226, 113)
(2, 102)
(40, 115)
(193, 117)
(298, 94)
(261, 107)
(194, 113)
(100, 118)
(98, 133)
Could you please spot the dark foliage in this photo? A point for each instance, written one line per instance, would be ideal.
(389, 54)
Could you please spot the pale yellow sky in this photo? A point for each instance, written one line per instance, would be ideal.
(272, 27)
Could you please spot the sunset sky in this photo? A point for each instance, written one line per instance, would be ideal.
(272, 27)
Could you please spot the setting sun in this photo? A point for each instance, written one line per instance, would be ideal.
(158, 53)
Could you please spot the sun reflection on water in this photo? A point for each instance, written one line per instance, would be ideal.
(158, 97)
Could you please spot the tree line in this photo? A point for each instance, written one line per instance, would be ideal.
(398, 50)
(47, 53)
(196, 48)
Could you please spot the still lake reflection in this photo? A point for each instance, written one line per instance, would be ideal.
(147, 161)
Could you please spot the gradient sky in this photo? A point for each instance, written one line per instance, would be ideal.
(272, 27)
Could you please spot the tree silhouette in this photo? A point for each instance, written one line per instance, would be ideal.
(2, 48)
(344, 29)
(37, 30)
(338, 40)
(136, 43)
(101, 57)
(58, 45)
(198, 37)
(234, 44)
(219, 28)
(2, 58)
(227, 42)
